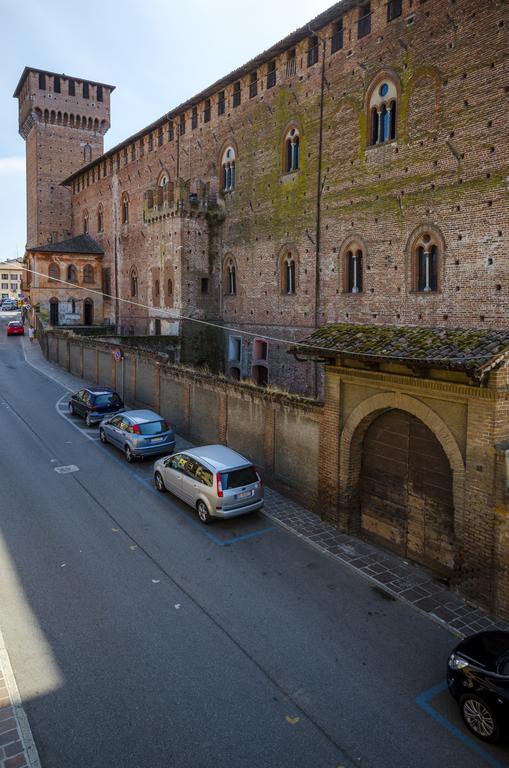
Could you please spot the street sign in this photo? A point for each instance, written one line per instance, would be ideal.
(117, 354)
(27, 307)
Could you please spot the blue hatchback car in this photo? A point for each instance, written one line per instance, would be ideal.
(138, 433)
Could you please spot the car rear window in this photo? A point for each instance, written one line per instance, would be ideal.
(107, 399)
(238, 477)
(152, 427)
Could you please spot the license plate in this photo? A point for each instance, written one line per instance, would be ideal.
(157, 439)
(244, 494)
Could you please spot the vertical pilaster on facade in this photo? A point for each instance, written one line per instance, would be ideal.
(134, 364)
(222, 418)
(157, 387)
(476, 567)
(328, 474)
(187, 407)
(268, 439)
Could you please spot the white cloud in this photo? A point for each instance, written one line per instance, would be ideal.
(10, 165)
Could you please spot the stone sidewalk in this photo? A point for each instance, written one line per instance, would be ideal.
(393, 576)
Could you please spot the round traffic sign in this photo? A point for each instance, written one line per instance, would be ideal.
(117, 354)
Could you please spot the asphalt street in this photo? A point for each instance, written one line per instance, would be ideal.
(141, 639)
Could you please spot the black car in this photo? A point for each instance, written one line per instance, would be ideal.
(94, 403)
(478, 678)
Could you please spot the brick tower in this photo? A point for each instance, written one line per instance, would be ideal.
(63, 121)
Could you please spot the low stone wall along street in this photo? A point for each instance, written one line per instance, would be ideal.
(277, 431)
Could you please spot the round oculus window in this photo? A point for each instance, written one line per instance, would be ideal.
(384, 89)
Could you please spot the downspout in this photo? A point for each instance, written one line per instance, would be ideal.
(319, 199)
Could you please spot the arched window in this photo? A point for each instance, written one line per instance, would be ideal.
(85, 222)
(291, 151)
(133, 280)
(427, 254)
(288, 273)
(230, 274)
(162, 187)
(72, 306)
(382, 112)
(54, 271)
(100, 218)
(87, 153)
(354, 267)
(125, 208)
(88, 273)
(169, 292)
(72, 274)
(228, 165)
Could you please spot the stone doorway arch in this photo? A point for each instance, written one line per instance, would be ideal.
(351, 453)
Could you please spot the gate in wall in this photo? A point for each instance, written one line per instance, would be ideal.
(406, 490)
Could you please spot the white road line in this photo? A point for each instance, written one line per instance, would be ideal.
(44, 373)
(61, 409)
(19, 713)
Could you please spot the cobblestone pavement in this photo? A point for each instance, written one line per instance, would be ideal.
(396, 577)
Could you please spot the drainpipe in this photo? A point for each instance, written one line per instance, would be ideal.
(319, 198)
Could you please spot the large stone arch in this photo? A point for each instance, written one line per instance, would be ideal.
(350, 457)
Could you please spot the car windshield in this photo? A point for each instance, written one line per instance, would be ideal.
(238, 477)
(107, 399)
(152, 428)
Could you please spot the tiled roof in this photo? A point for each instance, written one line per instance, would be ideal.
(79, 244)
(461, 349)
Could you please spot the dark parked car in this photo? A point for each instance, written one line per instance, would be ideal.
(94, 403)
(138, 433)
(478, 678)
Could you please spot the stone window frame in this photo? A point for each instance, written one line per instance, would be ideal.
(228, 164)
(100, 218)
(169, 292)
(88, 274)
(291, 133)
(133, 282)
(288, 276)
(72, 273)
(53, 271)
(124, 208)
(351, 248)
(426, 236)
(390, 101)
(230, 272)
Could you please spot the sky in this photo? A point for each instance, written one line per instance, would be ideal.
(157, 53)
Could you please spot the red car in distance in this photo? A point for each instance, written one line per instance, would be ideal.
(15, 328)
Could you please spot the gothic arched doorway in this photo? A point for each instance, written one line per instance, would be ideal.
(406, 490)
(88, 312)
(53, 311)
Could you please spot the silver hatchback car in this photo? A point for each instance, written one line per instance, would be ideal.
(213, 479)
(138, 433)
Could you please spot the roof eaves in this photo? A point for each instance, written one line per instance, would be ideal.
(57, 74)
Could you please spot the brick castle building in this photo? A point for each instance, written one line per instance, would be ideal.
(353, 174)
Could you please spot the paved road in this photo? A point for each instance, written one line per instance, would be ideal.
(138, 639)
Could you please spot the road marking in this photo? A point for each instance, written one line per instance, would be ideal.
(65, 470)
(19, 713)
(292, 720)
(423, 701)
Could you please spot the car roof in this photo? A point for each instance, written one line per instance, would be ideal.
(140, 417)
(218, 457)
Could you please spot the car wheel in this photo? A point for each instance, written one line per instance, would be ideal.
(203, 513)
(87, 420)
(479, 717)
(102, 436)
(159, 482)
(129, 454)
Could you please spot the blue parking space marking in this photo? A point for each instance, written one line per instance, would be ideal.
(149, 485)
(423, 700)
